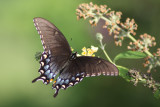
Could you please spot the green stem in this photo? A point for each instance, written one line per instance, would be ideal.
(122, 67)
(107, 56)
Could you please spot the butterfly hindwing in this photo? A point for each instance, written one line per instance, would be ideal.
(81, 67)
(70, 76)
(94, 66)
(46, 75)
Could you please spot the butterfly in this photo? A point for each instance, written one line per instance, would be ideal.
(58, 59)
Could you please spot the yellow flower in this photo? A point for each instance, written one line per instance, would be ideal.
(84, 49)
(93, 55)
(94, 49)
(72, 49)
(84, 53)
(88, 49)
(90, 52)
(79, 55)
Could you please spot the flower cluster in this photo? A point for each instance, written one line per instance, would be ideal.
(135, 75)
(113, 29)
(150, 82)
(121, 31)
(112, 20)
(143, 43)
(118, 29)
(130, 25)
(111, 24)
(89, 51)
(89, 10)
(147, 40)
(144, 78)
(158, 52)
(152, 62)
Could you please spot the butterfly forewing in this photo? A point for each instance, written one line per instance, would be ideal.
(52, 39)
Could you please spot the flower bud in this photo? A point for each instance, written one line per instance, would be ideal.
(99, 36)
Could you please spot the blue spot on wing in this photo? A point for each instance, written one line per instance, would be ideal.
(47, 72)
(50, 75)
(46, 67)
(47, 61)
(66, 81)
(58, 80)
(78, 75)
(73, 78)
(61, 82)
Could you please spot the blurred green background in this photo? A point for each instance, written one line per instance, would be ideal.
(19, 41)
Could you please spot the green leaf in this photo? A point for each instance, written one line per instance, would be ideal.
(123, 72)
(130, 55)
(157, 94)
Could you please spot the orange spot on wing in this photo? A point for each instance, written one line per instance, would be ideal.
(54, 82)
(51, 80)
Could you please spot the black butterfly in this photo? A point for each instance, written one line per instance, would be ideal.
(57, 58)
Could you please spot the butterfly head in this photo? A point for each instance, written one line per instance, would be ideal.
(73, 56)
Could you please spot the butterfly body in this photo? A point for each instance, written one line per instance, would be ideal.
(57, 58)
(73, 56)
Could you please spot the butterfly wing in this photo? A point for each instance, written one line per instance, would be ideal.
(93, 66)
(81, 67)
(56, 50)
